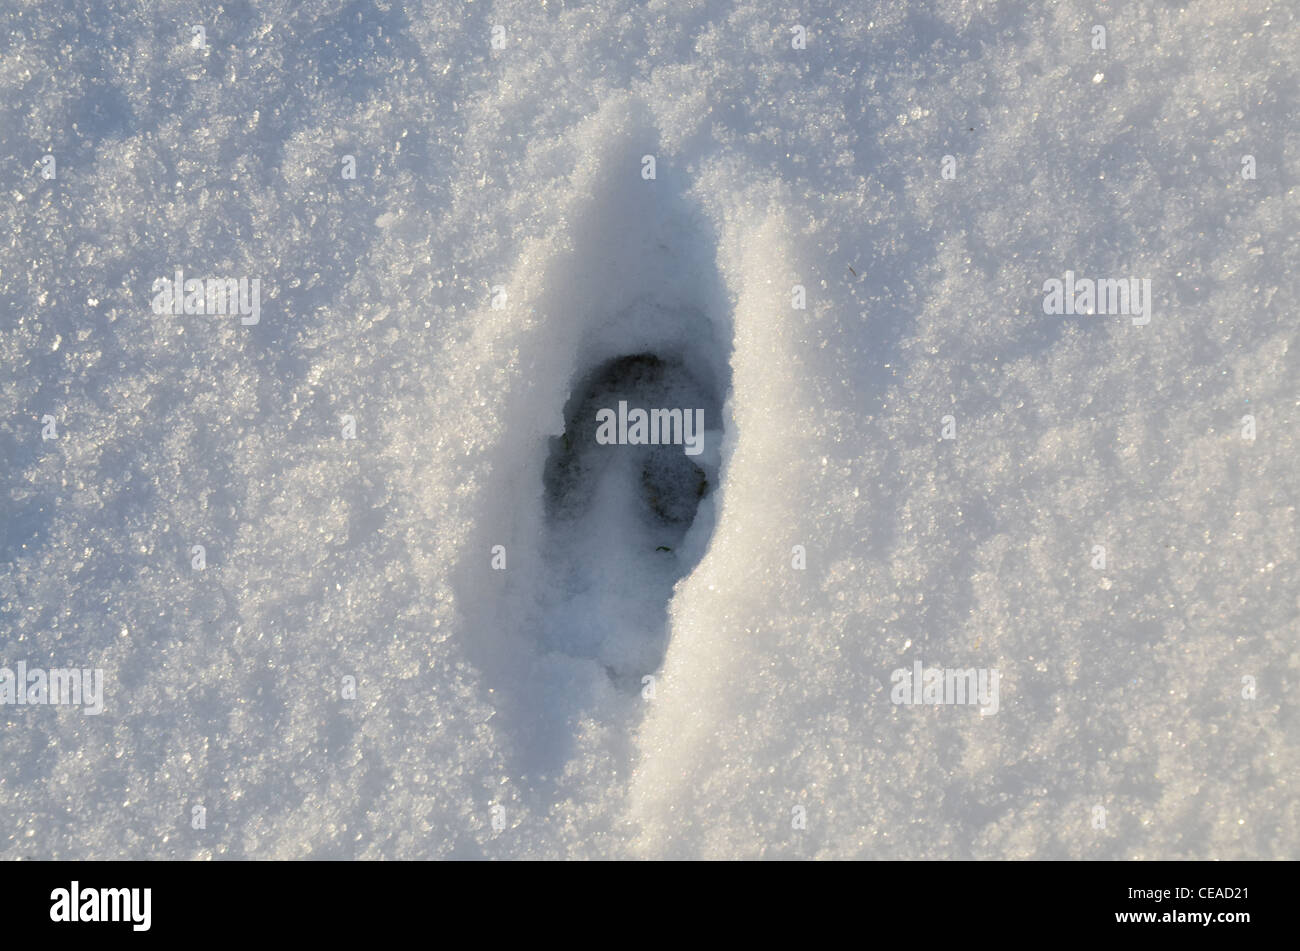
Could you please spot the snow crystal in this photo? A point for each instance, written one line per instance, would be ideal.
(341, 614)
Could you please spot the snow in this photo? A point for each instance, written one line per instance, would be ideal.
(500, 243)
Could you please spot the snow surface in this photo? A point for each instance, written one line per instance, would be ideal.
(488, 721)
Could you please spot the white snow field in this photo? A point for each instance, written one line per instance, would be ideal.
(1111, 526)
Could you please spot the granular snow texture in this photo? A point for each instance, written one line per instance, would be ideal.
(1101, 508)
